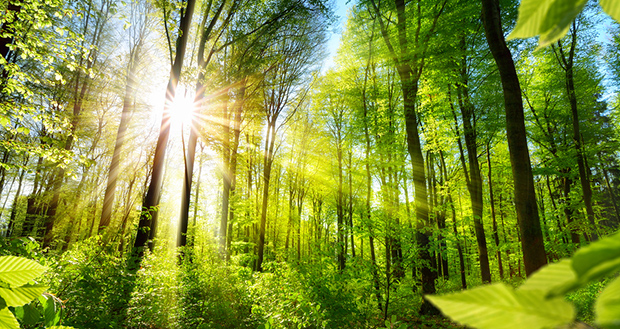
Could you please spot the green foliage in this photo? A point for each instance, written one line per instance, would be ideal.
(214, 295)
(607, 306)
(19, 293)
(15, 273)
(499, 306)
(155, 296)
(540, 297)
(93, 280)
(23, 247)
(551, 19)
(314, 296)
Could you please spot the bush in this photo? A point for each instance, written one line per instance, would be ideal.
(92, 279)
(311, 296)
(154, 299)
(214, 295)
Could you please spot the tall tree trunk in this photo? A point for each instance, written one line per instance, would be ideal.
(110, 191)
(199, 101)
(268, 161)
(567, 63)
(148, 216)
(367, 209)
(475, 181)
(534, 255)
(410, 67)
(350, 211)
(226, 176)
(441, 218)
(340, 210)
(492, 202)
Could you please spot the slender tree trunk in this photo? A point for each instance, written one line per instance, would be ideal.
(612, 195)
(475, 181)
(441, 218)
(268, 161)
(567, 64)
(534, 254)
(492, 202)
(199, 101)
(226, 177)
(340, 209)
(458, 245)
(108, 199)
(15, 204)
(350, 212)
(148, 216)
(367, 210)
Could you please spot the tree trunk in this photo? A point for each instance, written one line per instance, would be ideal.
(199, 101)
(268, 161)
(340, 210)
(475, 181)
(567, 64)
(492, 202)
(148, 216)
(534, 255)
(108, 199)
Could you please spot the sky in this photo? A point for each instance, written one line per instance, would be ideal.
(342, 10)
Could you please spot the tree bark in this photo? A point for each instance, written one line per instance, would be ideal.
(475, 181)
(148, 216)
(108, 199)
(567, 64)
(532, 243)
(492, 202)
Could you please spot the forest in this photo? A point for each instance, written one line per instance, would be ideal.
(214, 164)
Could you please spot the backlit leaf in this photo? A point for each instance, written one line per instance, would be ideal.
(612, 8)
(598, 259)
(607, 307)
(7, 320)
(553, 280)
(550, 19)
(498, 306)
(21, 295)
(17, 271)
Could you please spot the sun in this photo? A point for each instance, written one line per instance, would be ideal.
(183, 108)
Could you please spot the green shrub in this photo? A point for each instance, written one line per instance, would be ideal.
(214, 295)
(311, 296)
(154, 299)
(92, 279)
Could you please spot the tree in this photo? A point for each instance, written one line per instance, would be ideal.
(534, 255)
(409, 62)
(148, 217)
(141, 17)
(293, 53)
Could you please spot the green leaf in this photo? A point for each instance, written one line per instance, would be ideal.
(612, 8)
(21, 295)
(51, 311)
(598, 259)
(7, 320)
(27, 314)
(498, 306)
(550, 19)
(553, 280)
(17, 271)
(607, 307)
